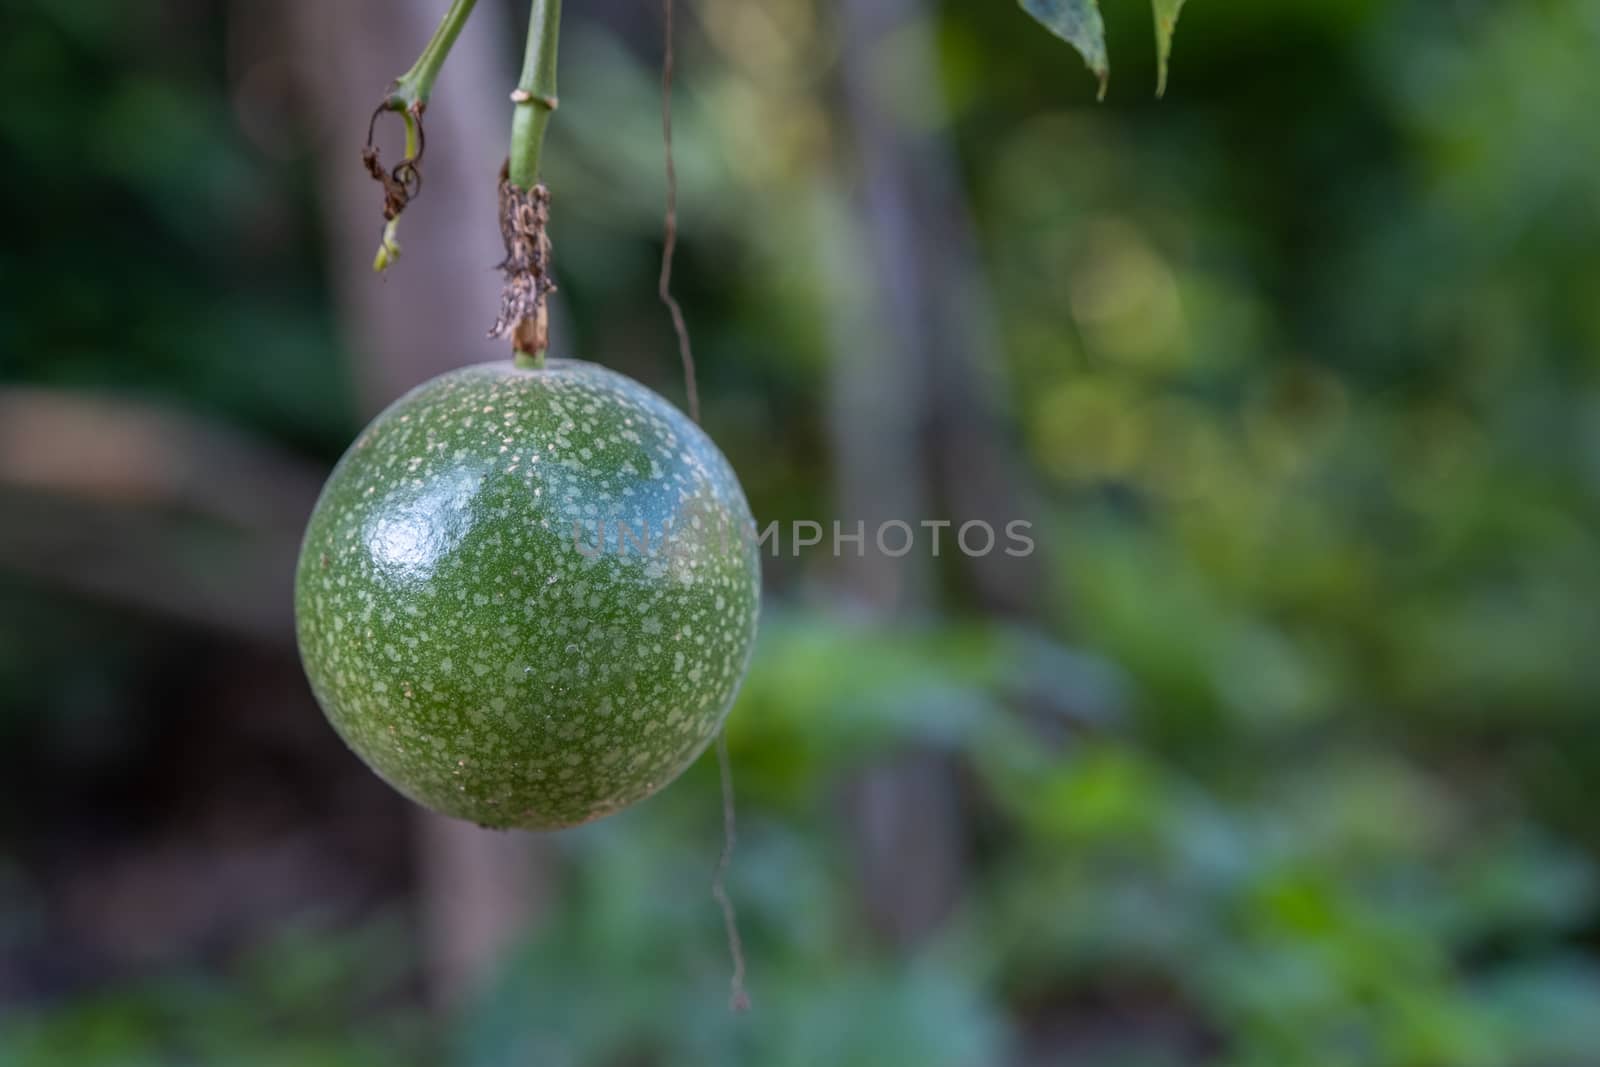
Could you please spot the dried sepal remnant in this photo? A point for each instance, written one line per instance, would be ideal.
(524, 226)
(402, 184)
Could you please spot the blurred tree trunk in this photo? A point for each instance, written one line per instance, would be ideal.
(428, 314)
(903, 385)
(109, 497)
(920, 430)
(938, 360)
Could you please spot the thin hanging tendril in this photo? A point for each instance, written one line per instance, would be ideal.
(670, 246)
(738, 999)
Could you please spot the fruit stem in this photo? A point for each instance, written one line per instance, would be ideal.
(524, 203)
(535, 96)
(412, 89)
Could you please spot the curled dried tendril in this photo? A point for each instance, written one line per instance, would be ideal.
(402, 184)
(524, 310)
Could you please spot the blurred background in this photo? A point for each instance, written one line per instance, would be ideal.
(1280, 751)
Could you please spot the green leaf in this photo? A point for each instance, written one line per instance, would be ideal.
(1078, 23)
(1167, 12)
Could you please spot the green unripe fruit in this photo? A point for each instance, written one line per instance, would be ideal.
(527, 597)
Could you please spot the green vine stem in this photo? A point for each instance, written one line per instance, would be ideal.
(411, 90)
(408, 97)
(535, 96)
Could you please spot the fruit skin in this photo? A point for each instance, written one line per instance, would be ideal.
(484, 655)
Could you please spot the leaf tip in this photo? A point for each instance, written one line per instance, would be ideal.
(1166, 14)
(1077, 22)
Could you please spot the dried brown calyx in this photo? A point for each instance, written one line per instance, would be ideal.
(402, 184)
(524, 308)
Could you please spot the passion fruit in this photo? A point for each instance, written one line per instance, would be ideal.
(527, 597)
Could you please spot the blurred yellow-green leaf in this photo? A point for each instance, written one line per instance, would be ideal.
(1166, 14)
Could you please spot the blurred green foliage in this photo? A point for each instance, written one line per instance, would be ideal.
(1307, 358)
(147, 246)
(298, 1001)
